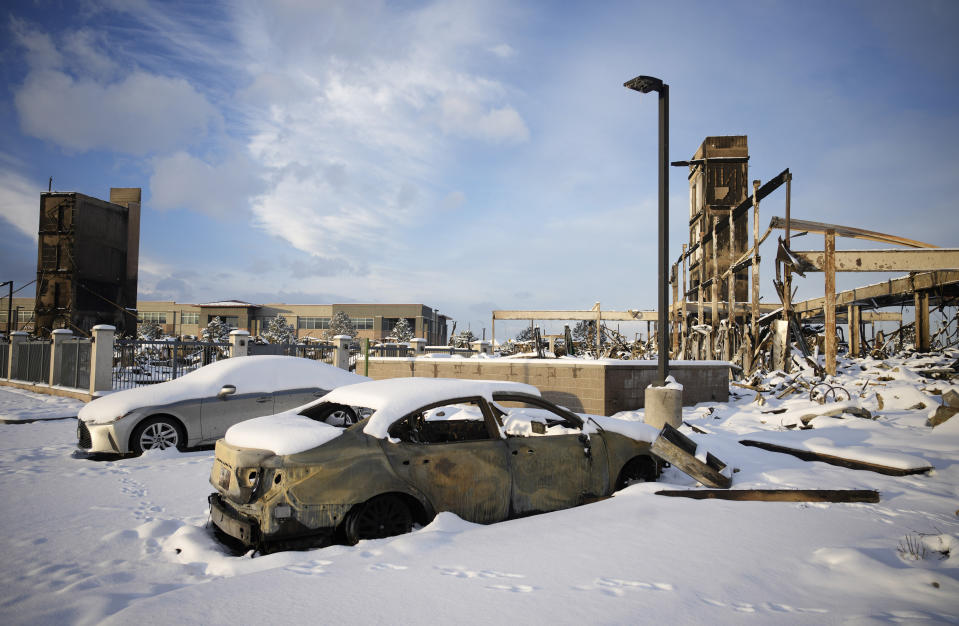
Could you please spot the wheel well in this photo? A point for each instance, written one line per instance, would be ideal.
(418, 511)
(172, 418)
(643, 466)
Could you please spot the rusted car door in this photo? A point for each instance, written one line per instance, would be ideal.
(553, 466)
(460, 465)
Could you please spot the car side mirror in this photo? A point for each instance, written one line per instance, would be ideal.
(226, 390)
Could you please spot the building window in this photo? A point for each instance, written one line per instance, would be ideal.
(362, 323)
(313, 323)
(189, 317)
(157, 317)
(229, 320)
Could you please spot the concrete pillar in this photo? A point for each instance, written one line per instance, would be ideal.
(378, 331)
(552, 344)
(419, 346)
(17, 336)
(664, 405)
(101, 360)
(921, 300)
(341, 355)
(57, 337)
(239, 343)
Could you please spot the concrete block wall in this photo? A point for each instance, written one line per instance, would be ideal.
(598, 387)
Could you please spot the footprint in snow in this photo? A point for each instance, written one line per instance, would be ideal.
(386, 566)
(618, 587)
(462, 572)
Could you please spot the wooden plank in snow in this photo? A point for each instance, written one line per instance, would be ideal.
(808, 455)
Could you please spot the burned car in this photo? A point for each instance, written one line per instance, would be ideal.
(199, 407)
(484, 450)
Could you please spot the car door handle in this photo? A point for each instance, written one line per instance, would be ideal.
(262, 399)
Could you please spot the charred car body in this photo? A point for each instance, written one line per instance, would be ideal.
(484, 450)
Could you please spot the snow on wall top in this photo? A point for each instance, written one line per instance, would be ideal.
(250, 374)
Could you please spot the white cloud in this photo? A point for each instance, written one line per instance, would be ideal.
(503, 50)
(140, 114)
(357, 138)
(224, 190)
(20, 201)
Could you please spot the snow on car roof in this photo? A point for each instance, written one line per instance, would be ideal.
(393, 398)
(249, 374)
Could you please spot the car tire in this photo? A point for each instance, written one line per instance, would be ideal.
(638, 469)
(382, 516)
(158, 433)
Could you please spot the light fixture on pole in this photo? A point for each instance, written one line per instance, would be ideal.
(646, 84)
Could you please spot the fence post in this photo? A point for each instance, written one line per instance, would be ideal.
(419, 346)
(16, 337)
(101, 358)
(57, 337)
(341, 356)
(238, 343)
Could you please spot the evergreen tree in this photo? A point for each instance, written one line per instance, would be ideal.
(402, 332)
(216, 331)
(149, 331)
(463, 339)
(279, 331)
(340, 324)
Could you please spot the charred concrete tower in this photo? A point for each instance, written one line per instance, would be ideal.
(718, 175)
(87, 258)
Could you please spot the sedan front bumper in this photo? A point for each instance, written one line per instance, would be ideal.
(97, 438)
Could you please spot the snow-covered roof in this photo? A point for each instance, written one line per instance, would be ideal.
(393, 398)
(229, 303)
(249, 374)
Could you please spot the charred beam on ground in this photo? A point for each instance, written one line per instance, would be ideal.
(776, 495)
(808, 455)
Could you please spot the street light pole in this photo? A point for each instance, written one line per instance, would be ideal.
(645, 84)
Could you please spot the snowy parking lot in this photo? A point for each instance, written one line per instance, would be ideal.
(124, 541)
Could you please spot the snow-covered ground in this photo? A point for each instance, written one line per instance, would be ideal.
(125, 541)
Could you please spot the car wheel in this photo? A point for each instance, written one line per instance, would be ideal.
(339, 415)
(639, 469)
(157, 433)
(382, 516)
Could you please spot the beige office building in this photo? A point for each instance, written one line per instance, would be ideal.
(373, 321)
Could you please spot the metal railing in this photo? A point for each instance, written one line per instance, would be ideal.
(4, 358)
(74, 365)
(450, 350)
(137, 363)
(315, 351)
(31, 361)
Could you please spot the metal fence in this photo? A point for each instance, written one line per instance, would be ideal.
(74, 366)
(4, 358)
(315, 351)
(31, 361)
(137, 363)
(450, 350)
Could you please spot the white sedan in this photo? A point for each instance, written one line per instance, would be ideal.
(198, 408)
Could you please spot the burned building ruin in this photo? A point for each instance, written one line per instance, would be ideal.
(87, 258)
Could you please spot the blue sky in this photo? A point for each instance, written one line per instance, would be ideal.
(470, 155)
